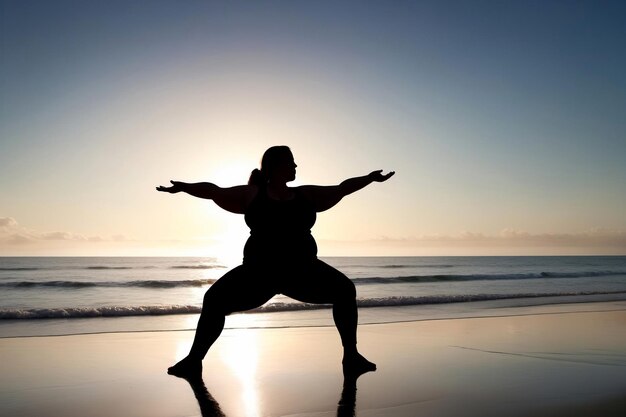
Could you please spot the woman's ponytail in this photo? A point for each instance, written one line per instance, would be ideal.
(257, 178)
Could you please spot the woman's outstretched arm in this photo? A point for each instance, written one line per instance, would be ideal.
(233, 199)
(325, 197)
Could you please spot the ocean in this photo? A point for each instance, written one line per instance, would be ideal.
(77, 295)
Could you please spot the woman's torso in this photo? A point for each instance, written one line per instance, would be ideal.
(280, 230)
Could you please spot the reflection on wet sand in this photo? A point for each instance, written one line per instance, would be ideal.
(209, 407)
(243, 359)
(347, 402)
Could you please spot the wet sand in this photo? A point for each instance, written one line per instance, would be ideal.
(532, 364)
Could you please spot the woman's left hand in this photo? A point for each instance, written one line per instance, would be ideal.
(378, 176)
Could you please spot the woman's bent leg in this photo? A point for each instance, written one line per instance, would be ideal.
(210, 326)
(235, 291)
(320, 283)
(345, 315)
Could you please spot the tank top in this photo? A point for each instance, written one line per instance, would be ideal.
(280, 230)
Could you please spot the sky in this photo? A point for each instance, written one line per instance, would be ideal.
(505, 122)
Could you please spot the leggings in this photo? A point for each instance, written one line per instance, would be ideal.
(251, 285)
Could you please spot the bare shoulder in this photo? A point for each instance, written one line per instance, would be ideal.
(249, 191)
(314, 188)
(235, 199)
(309, 191)
(323, 197)
(304, 189)
(246, 189)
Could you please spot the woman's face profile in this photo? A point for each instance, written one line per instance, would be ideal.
(278, 165)
(285, 168)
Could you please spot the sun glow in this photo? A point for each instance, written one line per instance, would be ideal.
(229, 243)
(231, 232)
(232, 172)
(242, 357)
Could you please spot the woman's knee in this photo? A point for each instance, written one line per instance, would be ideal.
(226, 299)
(341, 286)
(346, 288)
(223, 293)
(214, 302)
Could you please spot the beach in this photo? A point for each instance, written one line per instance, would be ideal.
(528, 362)
(452, 173)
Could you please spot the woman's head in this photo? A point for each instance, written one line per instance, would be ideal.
(277, 164)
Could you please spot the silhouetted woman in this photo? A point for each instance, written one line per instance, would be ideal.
(280, 256)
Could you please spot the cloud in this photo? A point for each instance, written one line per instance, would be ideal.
(19, 239)
(12, 233)
(508, 242)
(61, 236)
(594, 237)
(7, 223)
(516, 238)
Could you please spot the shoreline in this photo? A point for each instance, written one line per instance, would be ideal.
(10, 329)
(555, 364)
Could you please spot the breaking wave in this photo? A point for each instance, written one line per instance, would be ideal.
(108, 267)
(126, 311)
(109, 284)
(197, 266)
(28, 284)
(483, 277)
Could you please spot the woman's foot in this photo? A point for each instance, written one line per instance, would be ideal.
(355, 365)
(186, 368)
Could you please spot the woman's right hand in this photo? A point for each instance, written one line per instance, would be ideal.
(176, 187)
